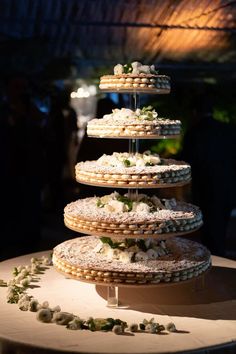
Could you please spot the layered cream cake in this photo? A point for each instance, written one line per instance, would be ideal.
(136, 77)
(140, 123)
(132, 216)
(133, 170)
(173, 260)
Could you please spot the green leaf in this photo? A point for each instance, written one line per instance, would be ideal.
(107, 327)
(142, 326)
(106, 240)
(141, 245)
(128, 68)
(129, 242)
(126, 201)
(127, 163)
(99, 203)
(15, 271)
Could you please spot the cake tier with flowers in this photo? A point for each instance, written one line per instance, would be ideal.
(140, 123)
(131, 262)
(133, 216)
(135, 77)
(136, 170)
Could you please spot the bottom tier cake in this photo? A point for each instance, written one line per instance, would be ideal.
(128, 263)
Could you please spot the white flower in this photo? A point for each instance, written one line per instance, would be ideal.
(141, 256)
(151, 327)
(155, 160)
(62, 318)
(19, 278)
(152, 254)
(136, 64)
(35, 268)
(24, 273)
(153, 69)
(144, 69)
(44, 315)
(105, 249)
(75, 324)
(45, 304)
(25, 282)
(11, 282)
(12, 297)
(114, 253)
(19, 268)
(23, 305)
(126, 257)
(24, 297)
(142, 208)
(171, 327)
(117, 329)
(118, 69)
(46, 261)
(34, 305)
(115, 206)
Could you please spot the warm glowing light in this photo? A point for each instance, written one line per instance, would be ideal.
(84, 92)
(179, 44)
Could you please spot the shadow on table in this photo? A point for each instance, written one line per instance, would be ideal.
(216, 300)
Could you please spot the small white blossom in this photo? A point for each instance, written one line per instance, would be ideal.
(24, 273)
(126, 257)
(75, 324)
(11, 296)
(19, 268)
(24, 297)
(62, 318)
(152, 254)
(117, 329)
(118, 69)
(46, 261)
(18, 278)
(44, 315)
(151, 327)
(45, 304)
(28, 268)
(141, 256)
(171, 327)
(24, 282)
(35, 268)
(34, 305)
(11, 282)
(23, 305)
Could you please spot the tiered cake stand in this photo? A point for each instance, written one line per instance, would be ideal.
(112, 293)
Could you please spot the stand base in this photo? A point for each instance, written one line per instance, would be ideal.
(113, 298)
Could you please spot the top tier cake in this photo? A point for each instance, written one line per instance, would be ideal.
(135, 77)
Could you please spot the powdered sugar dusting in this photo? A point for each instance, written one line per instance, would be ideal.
(81, 252)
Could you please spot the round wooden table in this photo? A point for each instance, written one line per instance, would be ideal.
(205, 317)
